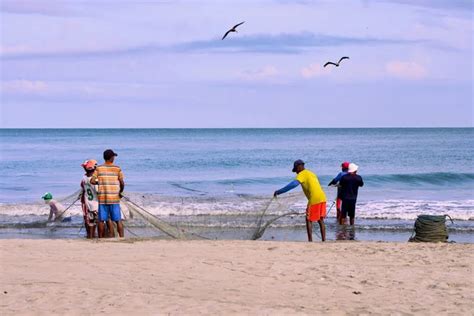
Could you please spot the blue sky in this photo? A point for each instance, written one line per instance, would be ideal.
(124, 63)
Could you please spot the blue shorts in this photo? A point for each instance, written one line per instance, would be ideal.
(107, 211)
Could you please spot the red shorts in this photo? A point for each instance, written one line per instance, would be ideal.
(316, 211)
(338, 204)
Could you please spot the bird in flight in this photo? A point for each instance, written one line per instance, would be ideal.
(336, 64)
(234, 29)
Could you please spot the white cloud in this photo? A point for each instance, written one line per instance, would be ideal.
(314, 70)
(77, 90)
(13, 49)
(406, 70)
(24, 87)
(46, 7)
(260, 74)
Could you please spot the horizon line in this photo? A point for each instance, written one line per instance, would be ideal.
(229, 128)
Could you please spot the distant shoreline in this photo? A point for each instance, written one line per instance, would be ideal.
(235, 128)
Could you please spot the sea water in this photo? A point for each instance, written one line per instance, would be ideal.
(227, 173)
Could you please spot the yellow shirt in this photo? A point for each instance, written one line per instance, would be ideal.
(311, 187)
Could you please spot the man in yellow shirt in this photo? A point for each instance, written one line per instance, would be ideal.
(316, 209)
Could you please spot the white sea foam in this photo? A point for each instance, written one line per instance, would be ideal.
(254, 205)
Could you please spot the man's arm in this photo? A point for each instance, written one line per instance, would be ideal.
(336, 179)
(122, 183)
(122, 186)
(361, 182)
(50, 217)
(290, 186)
(94, 178)
(81, 194)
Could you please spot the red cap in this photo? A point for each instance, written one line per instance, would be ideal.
(89, 164)
(345, 165)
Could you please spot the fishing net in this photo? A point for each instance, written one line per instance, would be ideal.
(35, 214)
(242, 217)
(430, 228)
(195, 216)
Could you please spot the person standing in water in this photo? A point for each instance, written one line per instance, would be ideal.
(316, 209)
(89, 199)
(350, 184)
(335, 181)
(110, 179)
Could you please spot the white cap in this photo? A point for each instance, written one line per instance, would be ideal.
(353, 168)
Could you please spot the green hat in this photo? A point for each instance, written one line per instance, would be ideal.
(47, 196)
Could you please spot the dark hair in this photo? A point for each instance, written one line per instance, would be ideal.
(108, 154)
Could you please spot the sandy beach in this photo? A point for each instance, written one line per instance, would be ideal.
(234, 277)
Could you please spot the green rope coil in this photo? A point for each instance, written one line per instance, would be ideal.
(430, 228)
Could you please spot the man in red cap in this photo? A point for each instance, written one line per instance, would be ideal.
(89, 199)
(335, 181)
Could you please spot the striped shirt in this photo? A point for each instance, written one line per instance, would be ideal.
(109, 176)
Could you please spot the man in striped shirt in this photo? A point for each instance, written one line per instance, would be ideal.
(109, 177)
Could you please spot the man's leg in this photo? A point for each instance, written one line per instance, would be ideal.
(322, 228)
(103, 216)
(110, 228)
(342, 219)
(120, 228)
(101, 229)
(338, 210)
(309, 229)
(92, 229)
(89, 231)
(116, 216)
(352, 212)
(86, 226)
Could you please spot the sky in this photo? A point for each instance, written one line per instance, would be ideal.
(162, 64)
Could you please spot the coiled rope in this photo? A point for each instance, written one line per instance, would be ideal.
(430, 228)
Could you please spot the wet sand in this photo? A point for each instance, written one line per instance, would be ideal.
(234, 277)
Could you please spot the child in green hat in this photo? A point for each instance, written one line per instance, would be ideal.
(55, 208)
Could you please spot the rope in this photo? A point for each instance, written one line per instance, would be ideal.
(334, 202)
(67, 208)
(430, 228)
(261, 229)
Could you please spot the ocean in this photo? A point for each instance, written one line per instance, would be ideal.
(225, 175)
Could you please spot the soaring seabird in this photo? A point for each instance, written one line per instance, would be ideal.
(336, 64)
(232, 29)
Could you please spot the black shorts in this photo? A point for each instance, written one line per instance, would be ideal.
(348, 208)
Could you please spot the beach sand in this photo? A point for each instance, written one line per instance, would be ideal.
(234, 277)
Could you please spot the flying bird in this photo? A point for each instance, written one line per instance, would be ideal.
(234, 29)
(336, 64)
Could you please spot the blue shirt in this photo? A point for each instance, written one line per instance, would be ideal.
(336, 180)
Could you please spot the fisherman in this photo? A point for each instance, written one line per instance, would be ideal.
(350, 184)
(316, 209)
(335, 182)
(110, 179)
(56, 209)
(89, 200)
